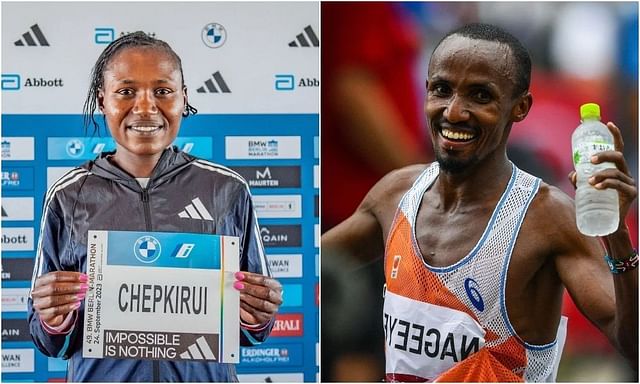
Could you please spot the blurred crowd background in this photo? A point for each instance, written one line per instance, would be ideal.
(374, 65)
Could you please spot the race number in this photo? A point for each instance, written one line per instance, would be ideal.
(162, 296)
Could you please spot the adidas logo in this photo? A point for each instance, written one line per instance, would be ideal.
(196, 210)
(199, 350)
(300, 39)
(211, 87)
(28, 38)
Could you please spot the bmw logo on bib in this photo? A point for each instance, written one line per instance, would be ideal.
(147, 249)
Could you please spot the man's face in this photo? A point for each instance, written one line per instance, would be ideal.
(470, 100)
(142, 99)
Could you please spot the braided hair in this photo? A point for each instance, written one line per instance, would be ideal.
(135, 39)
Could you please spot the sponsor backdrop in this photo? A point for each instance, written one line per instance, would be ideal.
(252, 70)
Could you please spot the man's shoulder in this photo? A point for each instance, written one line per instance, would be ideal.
(388, 191)
(398, 181)
(552, 208)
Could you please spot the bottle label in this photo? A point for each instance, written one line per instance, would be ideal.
(592, 145)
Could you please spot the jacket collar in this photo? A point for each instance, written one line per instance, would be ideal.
(171, 161)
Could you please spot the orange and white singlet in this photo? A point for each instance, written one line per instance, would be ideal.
(451, 323)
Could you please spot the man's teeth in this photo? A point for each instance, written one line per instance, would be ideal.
(144, 129)
(449, 134)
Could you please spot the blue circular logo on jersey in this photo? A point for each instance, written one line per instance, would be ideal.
(147, 249)
(473, 291)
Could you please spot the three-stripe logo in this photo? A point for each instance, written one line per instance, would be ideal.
(196, 210)
(301, 38)
(28, 38)
(211, 87)
(199, 350)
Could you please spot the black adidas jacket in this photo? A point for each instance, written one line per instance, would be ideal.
(184, 194)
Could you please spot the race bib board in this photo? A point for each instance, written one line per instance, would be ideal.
(162, 296)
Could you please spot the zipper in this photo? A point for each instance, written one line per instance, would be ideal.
(147, 209)
(147, 222)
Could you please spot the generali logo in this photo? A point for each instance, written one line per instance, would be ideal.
(288, 324)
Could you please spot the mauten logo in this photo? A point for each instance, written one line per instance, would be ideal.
(271, 176)
(287, 324)
(17, 360)
(281, 235)
(15, 330)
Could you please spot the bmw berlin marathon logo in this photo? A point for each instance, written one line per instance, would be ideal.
(214, 35)
(147, 249)
(75, 148)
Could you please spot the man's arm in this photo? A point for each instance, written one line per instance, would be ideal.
(609, 300)
(361, 236)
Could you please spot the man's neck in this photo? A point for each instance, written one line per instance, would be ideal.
(476, 185)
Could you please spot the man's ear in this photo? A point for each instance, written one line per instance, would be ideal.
(522, 107)
(100, 98)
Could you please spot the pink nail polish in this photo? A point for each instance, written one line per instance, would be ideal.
(81, 296)
(84, 287)
(77, 305)
(238, 285)
(84, 278)
(239, 275)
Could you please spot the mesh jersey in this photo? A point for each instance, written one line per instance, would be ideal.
(450, 323)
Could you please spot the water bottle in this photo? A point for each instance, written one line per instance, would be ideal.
(597, 210)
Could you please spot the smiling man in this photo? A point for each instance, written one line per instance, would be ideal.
(478, 252)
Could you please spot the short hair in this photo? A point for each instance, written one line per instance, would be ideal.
(131, 40)
(488, 32)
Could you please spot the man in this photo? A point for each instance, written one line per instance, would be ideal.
(477, 252)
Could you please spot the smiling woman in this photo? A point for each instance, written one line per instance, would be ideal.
(138, 84)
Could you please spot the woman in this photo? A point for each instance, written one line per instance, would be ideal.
(138, 85)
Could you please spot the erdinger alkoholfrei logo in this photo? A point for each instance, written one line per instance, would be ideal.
(214, 35)
(147, 249)
(473, 292)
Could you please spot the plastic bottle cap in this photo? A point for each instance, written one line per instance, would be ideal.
(590, 111)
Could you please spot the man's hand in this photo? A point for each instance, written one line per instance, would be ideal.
(618, 178)
(58, 293)
(260, 297)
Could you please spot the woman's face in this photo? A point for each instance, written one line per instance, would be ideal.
(142, 100)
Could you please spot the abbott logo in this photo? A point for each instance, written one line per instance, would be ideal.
(10, 82)
(210, 85)
(27, 38)
(17, 239)
(103, 35)
(303, 39)
(285, 82)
